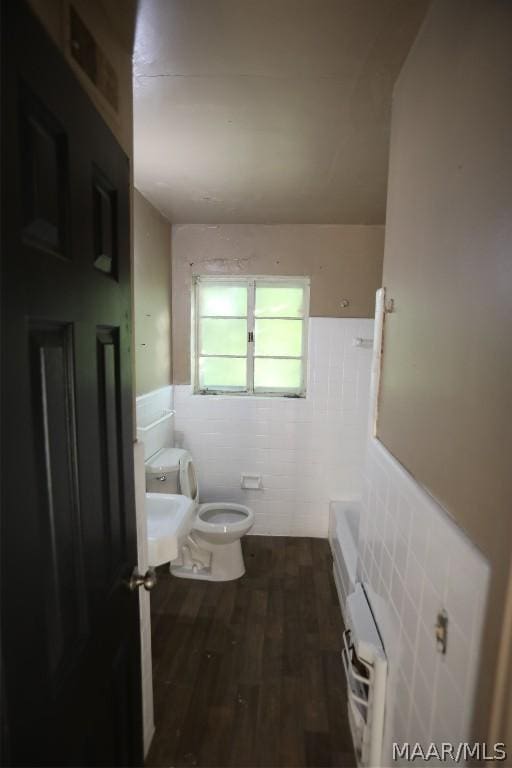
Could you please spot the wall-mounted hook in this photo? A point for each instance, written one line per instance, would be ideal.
(344, 303)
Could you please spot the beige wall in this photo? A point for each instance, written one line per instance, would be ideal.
(152, 296)
(446, 389)
(344, 262)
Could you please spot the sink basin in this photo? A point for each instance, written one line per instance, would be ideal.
(169, 520)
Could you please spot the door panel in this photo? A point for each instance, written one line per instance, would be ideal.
(55, 449)
(111, 465)
(70, 627)
(105, 224)
(44, 176)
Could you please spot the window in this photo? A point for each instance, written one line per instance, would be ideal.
(250, 335)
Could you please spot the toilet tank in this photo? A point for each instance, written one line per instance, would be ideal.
(163, 471)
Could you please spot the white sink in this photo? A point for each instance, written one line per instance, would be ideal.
(169, 520)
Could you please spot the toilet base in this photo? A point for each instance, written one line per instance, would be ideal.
(225, 561)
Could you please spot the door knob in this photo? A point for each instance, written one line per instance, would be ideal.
(148, 580)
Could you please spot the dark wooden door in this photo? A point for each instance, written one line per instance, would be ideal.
(70, 627)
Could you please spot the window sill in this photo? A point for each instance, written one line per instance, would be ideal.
(249, 395)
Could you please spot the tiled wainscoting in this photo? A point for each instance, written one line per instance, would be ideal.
(417, 562)
(307, 451)
(149, 409)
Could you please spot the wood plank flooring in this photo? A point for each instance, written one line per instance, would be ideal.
(248, 673)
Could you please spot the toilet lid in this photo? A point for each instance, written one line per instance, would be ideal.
(188, 479)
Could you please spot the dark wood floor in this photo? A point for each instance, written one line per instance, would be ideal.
(248, 673)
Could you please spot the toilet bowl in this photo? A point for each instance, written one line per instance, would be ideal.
(222, 523)
(212, 550)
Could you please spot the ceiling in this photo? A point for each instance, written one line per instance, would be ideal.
(268, 111)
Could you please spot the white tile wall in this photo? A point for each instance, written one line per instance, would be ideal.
(308, 451)
(416, 561)
(144, 606)
(149, 408)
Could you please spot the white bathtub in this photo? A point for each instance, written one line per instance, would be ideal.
(344, 519)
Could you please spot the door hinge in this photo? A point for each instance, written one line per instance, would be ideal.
(250, 336)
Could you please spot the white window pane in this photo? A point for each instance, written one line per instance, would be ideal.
(279, 301)
(223, 300)
(223, 337)
(219, 372)
(272, 374)
(282, 338)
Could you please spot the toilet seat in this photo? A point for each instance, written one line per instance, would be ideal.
(223, 516)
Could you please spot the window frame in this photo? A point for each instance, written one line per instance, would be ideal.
(250, 282)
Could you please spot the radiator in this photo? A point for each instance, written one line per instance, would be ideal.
(365, 664)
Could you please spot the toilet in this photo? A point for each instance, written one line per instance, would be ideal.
(212, 550)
